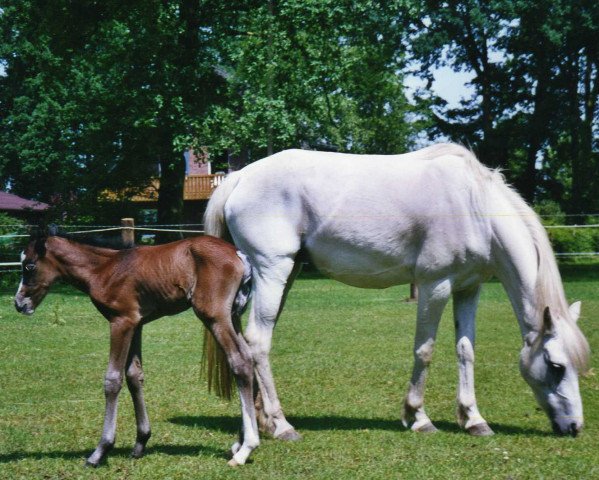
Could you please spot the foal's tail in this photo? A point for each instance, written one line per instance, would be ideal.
(214, 359)
(214, 217)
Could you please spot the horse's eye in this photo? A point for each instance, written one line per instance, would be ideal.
(30, 267)
(558, 367)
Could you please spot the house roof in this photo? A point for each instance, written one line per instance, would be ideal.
(10, 202)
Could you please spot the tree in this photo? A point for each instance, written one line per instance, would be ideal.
(102, 95)
(534, 112)
(321, 74)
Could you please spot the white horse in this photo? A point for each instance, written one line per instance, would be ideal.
(435, 217)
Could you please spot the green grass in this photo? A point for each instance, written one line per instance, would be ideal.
(342, 359)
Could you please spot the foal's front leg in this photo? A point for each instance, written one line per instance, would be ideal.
(121, 333)
(432, 299)
(464, 311)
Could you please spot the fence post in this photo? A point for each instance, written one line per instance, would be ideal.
(413, 293)
(128, 232)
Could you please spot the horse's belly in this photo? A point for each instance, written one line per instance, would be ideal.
(359, 266)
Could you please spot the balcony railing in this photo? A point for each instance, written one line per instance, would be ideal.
(196, 187)
(200, 187)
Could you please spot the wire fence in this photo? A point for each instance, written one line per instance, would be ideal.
(11, 244)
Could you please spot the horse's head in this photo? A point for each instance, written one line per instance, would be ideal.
(549, 362)
(38, 274)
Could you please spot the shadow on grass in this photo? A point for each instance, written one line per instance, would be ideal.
(231, 425)
(174, 450)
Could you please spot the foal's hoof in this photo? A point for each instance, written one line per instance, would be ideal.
(137, 452)
(289, 436)
(426, 428)
(233, 463)
(89, 464)
(480, 430)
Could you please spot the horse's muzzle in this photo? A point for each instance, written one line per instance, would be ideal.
(572, 429)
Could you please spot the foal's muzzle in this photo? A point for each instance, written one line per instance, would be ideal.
(24, 305)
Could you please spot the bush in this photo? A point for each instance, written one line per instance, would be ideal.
(568, 240)
(10, 246)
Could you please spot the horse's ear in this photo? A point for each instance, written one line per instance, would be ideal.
(547, 321)
(574, 310)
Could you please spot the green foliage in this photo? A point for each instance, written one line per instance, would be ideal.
(568, 239)
(97, 95)
(316, 74)
(536, 83)
(11, 245)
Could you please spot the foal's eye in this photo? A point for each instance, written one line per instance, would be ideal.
(30, 267)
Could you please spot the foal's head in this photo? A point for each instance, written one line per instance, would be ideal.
(39, 272)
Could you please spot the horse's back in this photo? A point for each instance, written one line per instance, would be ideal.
(367, 220)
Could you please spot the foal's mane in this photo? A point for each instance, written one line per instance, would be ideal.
(113, 242)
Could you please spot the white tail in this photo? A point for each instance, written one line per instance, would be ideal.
(214, 217)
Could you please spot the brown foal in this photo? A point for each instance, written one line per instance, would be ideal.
(135, 286)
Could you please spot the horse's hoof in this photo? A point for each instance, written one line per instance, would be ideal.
(89, 464)
(233, 463)
(289, 436)
(480, 430)
(426, 428)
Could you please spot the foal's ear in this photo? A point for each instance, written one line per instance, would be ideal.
(40, 246)
(547, 321)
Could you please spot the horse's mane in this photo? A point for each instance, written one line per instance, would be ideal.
(549, 288)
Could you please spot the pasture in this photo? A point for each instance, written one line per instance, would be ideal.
(341, 358)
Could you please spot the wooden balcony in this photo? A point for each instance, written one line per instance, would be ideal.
(200, 187)
(196, 187)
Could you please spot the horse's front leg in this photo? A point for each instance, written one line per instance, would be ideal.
(432, 299)
(121, 333)
(464, 311)
(135, 383)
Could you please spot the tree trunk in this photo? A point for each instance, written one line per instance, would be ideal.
(170, 197)
(528, 182)
(578, 177)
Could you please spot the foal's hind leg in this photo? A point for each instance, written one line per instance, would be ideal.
(121, 333)
(135, 383)
(432, 299)
(464, 311)
(239, 359)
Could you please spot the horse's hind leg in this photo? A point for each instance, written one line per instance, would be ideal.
(135, 383)
(265, 421)
(464, 311)
(432, 299)
(269, 291)
(121, 334)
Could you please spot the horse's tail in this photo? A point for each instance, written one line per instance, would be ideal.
(214, 360)
(214, 217)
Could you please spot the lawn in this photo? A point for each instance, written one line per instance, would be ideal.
(342, 359)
